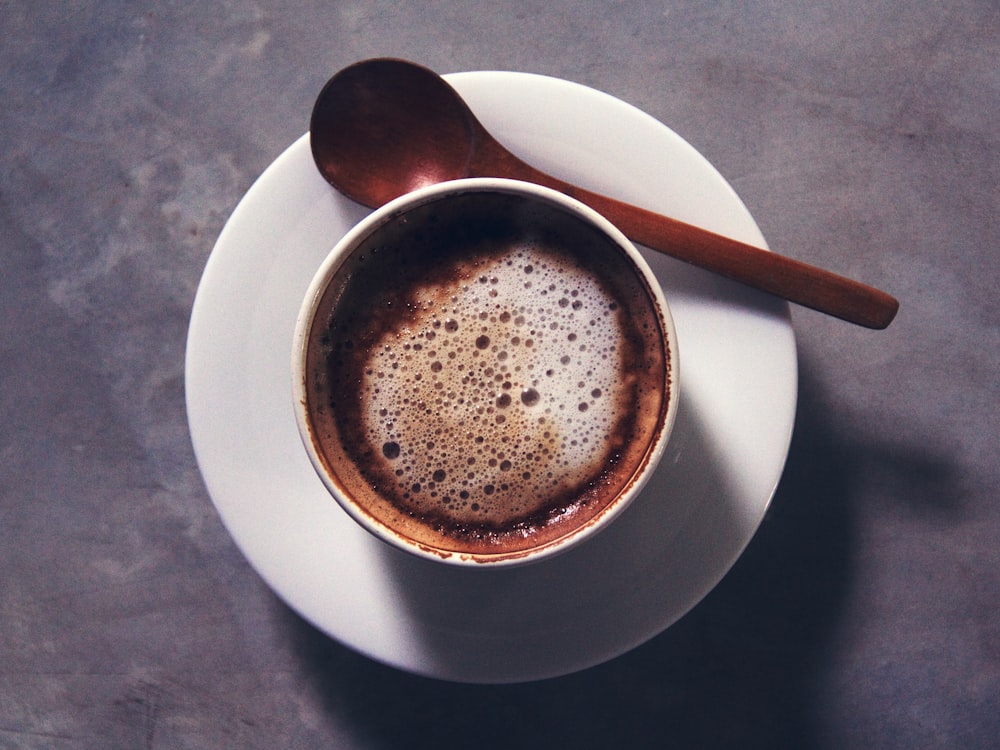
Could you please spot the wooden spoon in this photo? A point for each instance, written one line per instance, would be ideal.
(381, 128)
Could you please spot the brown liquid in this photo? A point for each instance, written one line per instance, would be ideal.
(488, 377)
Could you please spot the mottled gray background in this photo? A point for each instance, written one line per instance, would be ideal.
(863, 137)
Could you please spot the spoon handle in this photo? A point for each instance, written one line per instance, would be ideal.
(781, 276)
(776, 274)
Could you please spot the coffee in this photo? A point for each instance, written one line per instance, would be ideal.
(487, 374)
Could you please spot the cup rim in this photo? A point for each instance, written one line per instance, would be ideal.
(327, 271)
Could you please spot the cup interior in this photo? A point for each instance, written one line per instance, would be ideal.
(515, 344)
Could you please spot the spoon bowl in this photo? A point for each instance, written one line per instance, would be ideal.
(381, 128)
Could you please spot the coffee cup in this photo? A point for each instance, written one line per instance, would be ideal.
(484, 372)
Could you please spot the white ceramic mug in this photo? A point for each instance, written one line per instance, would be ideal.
(489, 405)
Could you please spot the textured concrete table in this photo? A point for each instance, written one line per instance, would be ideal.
(862, 136)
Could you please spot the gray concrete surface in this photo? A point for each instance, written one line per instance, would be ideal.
(862, 136)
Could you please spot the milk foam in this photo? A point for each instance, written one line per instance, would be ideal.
(500, 391)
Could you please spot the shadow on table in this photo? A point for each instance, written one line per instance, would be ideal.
(740, 670)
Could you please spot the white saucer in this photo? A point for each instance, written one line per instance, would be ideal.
(738, 390)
